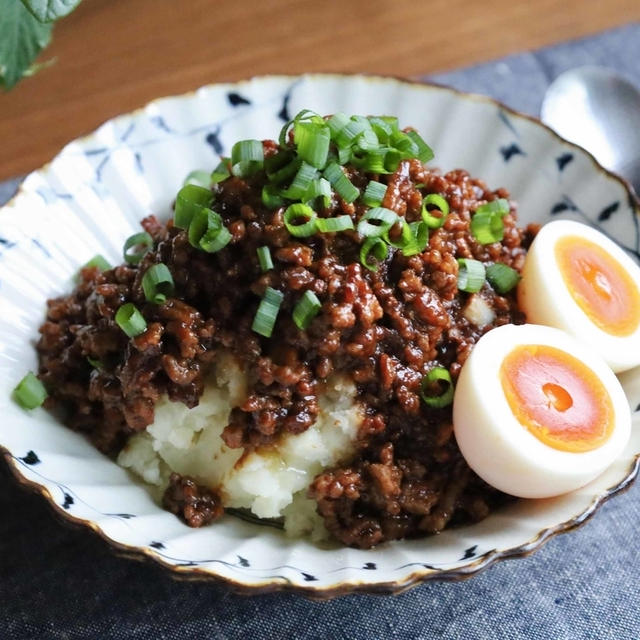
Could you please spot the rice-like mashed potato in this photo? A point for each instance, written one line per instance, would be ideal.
(270, 481)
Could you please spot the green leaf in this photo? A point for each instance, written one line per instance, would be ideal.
(22, 37)
(50, 10)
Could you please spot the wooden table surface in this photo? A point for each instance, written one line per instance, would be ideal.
(114, 55)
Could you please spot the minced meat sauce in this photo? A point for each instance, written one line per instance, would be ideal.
(386, 329)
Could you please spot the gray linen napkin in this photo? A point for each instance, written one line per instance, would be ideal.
(57, 582)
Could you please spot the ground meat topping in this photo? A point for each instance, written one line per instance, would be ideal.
(384, 328)
(193, 503)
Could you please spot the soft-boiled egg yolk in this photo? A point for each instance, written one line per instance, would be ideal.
(536, 413)
(557, 398)
(576, 279)
(599, 284)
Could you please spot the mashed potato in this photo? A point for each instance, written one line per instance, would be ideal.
(272, 481)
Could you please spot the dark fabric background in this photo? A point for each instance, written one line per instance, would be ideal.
(62, 582)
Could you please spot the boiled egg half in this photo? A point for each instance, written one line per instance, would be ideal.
(536, 413)
(577, 279)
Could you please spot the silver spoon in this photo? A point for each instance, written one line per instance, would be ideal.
(599, 110)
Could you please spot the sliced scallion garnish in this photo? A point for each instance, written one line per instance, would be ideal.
(383, 128)
(271, 197)
(339, 181)
(319, 187)
(425, 153)
(502, 277)
(434, 200)
(203, 220)
(98, 262)
(419, 239)
(348, 134)
(264, 258)
(436, 376)
(215, 238)
(471, 275)
(130, 320)
(157, 283)
(247, 157)
(312, 141)
(221, 172)
(306, 309)
(304, 177)
(333, 225)
(486, 223)
(143, 241)
(296, 212)
(374, 194)
(30, 393)
(336, 122)
(374, 247)
(376, 222)
(190, 198)
(200, 178)
(265, 318)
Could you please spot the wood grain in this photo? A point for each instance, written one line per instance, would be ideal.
(115, 55)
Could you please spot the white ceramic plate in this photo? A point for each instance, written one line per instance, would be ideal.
(91, 197)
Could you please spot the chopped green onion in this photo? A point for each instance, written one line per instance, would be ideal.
(500, 205)
(305, 114)
(486, 224)
(264, 258)
(471, 274)
(130, 320)
(221, 172)
(374, 194)
(347, 135)
(339, 181)
(336, 123)
(296, 211)
(372, 161)
(286, 172)
(190, 198)
(157, 283)
(437, 375)
(267, 312)
(425, 153)
(203, 220)
(333, 225)
(207, 232)
(406, 235)
(215, 239)
(306, 309)
(275, 162)
(435, 200)
(373, 247)
(301, 183)
(142, 240)
(367, 141)
(403, 143)
(384, 217)
(97, 262)
(383, 128)
(30, 392)
(247, 157)
(502, 277)
(419, 239)
(312, 141)
(392, 160)
(199, 178)
(271, 197)
(320, 187)
(345, 154)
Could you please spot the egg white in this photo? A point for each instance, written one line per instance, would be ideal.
(545, 298)
(505, 453)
